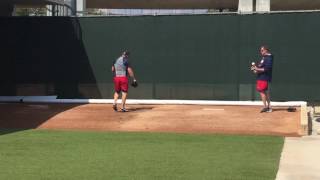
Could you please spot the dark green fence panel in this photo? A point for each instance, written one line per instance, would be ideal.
(174, 57)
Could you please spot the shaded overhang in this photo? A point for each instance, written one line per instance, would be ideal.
(279, 5)
(163, 4)
(33, 2)
(275, 5)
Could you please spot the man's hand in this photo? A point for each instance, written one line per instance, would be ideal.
(134, 83)
(254, 69)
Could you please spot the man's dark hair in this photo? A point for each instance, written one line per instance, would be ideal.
(126, 53)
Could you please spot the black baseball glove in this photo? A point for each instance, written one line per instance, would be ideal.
(134, 83)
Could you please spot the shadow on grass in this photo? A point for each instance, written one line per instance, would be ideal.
(8, 131)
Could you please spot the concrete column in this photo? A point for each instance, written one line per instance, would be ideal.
(81, 7)
(49, 10)
(262, 5)
(14, 11)
(6, 9)
(69, 8)
(78, 7)
(66, 11)
(54, 10)
(73, 5)
(245, 6)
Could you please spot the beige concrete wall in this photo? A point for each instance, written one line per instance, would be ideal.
(245, 6)
(262, 5)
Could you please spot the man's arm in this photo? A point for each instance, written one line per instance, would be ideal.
(131, 73)
(113, 69)
(267, 66)
(258, 70)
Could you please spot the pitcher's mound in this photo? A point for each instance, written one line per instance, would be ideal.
(152, 118)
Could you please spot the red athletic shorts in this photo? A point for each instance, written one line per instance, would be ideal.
(262, 85)
(120, 84)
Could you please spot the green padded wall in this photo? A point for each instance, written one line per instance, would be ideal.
(174, 57)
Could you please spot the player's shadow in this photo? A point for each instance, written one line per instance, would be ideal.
(132, 109)
(288, 109)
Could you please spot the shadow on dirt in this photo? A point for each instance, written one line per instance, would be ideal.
(23, 116)
(288, 109)
(140, 109)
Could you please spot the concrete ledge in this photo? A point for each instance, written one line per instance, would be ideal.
(52, 99)
(300, 159)
(304, 120)
(26, 98)
(317, 109)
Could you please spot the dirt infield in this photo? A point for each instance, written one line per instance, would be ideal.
(152, 118)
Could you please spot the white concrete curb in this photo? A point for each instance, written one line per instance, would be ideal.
(52, 99)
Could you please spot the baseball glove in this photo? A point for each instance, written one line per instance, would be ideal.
(134, 83)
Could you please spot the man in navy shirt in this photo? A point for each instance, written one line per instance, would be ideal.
(264, 77)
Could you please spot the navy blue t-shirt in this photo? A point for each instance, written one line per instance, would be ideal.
(266, 63)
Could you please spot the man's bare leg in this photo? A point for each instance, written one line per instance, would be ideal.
(115, 99)
(124, 98)
(269, 101)
(264, 99)
(268, 98)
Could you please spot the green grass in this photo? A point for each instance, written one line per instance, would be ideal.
(44, 154)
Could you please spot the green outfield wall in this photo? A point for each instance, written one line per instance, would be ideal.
(174, 57)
